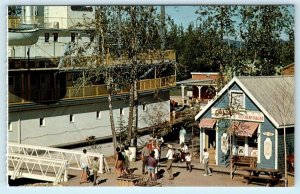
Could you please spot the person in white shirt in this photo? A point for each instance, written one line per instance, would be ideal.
(205, 161)
(182, 133)
(169, 156)
(156, 156)
(188, 160)
(183, 151)
(84, 164)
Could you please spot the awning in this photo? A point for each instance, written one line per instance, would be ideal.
(243, 129)
(207, 123)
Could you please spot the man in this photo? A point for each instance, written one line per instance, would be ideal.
(205, 161)
(169, 156)
(84, 164)
(183, 151)
(182, 133)
(145, 154)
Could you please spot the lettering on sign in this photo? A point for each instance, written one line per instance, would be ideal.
(244, 115)
(268, 148)
(268, 133)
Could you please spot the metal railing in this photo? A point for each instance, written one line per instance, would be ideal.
(72, 157)
(16, 97)
(34, 167)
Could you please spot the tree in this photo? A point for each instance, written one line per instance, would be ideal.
(137, 29)
(261, 29)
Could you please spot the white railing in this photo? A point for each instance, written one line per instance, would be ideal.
(71, 156)
(34, 167)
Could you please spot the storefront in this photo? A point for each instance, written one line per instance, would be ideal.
(246, 114)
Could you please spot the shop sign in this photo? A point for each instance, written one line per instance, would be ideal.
(243, 115)
(268, 133)
(268, 148)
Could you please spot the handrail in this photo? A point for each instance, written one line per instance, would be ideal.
(71, 156)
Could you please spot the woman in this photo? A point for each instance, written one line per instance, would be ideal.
(84, 164)
(119, 163)
(151, 165)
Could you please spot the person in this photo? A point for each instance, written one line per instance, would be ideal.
(95, 168)
(119, 162)
(151, 165)
(205, 161)
(84, 164)
(156, 156)
(182, 133)
(127, 162)
(169, 156)
(183, 151)
(145, 154)
(188, 160)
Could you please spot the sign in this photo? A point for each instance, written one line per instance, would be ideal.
(268, 148)
(268, 133)
(243, 115)
(224, 143)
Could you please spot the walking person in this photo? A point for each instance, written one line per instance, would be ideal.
(84, 164)
(156, 156)
(151, 165)
(145, 154)
(205, 161)
(119, 162)
(169, 156)
(182, 134)
(188, 160)
(127, 162)
(95, 168)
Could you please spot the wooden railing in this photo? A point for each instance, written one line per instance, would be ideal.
(85, 91)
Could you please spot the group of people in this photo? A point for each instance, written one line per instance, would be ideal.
(85, 172)
(122, 162)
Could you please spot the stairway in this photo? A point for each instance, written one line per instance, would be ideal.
(212, 159)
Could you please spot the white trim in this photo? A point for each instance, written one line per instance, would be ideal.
(246, 91)
(246, 146)
(10, 128)
(258, 143)
(276, 149)
(217, 145)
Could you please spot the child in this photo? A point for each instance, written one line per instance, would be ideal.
(188, 160)
(95, 167)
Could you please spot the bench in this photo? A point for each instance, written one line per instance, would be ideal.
(270, 181)
(244, 161)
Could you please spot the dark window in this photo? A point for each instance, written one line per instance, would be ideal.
(46, 37)
(42, 79)
(42, 122)
(55, 37)
(11, 81)
(98, 115)
(81, 8)
(73, 35)
(72, 119)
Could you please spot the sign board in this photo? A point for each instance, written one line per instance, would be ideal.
(268, 133)
(243, 115)
(268, 148)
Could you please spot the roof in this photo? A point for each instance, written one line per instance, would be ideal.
(193, 82)
(274, 96)
(288, 66)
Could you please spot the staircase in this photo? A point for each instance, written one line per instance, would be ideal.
(212, 159)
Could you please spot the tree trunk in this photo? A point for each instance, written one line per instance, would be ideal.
(130, 116)
(111, 116)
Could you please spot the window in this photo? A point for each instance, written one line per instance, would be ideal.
(237, 99)
(98, 114)
(73, 35)
(144, 107)
(42, 122)
(46, 37)
(55, 37)
(9, 126)
(122, 111)
(72, 119)
(81, 8)
(11, 81)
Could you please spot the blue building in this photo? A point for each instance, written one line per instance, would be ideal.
(250, 113)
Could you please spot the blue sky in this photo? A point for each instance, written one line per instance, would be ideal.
(182, 14)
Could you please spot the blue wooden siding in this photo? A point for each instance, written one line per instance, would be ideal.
(223, 102)
(290, 139)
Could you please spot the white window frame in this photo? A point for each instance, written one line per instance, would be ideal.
(42, 121)
(10, 126)
(72, 118)
(98, 115)
(122, 112)
(237, 92)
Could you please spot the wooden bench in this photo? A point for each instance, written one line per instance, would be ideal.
(243, 161)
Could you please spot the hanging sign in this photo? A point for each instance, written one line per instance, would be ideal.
(268, 133)
(243, 115)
